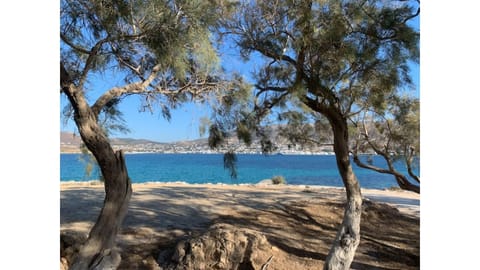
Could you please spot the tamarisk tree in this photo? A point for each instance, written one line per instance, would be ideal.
(335, 58)
(163, 51)
(395, 136)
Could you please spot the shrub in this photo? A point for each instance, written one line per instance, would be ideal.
(393, 188)
(278, 179)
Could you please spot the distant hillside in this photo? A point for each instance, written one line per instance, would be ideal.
(130, 141)
(70, 143)
(70, 138)
(74, 139)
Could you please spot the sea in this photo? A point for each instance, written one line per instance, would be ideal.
(251, 169)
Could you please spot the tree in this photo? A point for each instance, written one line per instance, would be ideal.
(164, 52)
(394, 138)
(335, 58)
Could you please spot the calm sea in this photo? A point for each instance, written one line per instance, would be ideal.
(208, 168)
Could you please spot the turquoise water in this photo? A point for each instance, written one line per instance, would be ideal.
(208, 168)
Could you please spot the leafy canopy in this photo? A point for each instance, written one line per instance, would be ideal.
(162, 48)
(334, 58)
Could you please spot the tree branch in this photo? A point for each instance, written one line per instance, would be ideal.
(133, 88)
(413, 15)
(401, 179)
(370, 167)
(272, 55)
(74, 95)
(89, 62)
(94, 52)
(73, 46)
(65, 79)
(316, 106)
(409, 160)
(125, 62)
(271, 88)
(194, 88)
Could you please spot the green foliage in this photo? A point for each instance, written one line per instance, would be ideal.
(173, 33)
(216, 136)
(307, 130)
(171, 39)
(394, 188)
(278, 180)
(89, 162)
(163, 49)
(243, 133)
(332, 58)
(111, 118)
(267, 144)
(395, 135)
(230, 163)
(365, 49)
(362, 57)
(204, 124)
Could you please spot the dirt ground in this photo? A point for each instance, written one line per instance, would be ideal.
(300, 222)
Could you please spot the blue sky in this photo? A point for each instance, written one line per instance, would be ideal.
(184, 123)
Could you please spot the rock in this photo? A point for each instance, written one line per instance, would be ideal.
(71, 239)
(150, 264)
(265, 182)
(70, 242)
(63, 264)
(223, 246)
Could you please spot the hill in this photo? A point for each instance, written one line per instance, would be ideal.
(70, 143)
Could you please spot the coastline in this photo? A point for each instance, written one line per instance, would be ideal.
(294, 153)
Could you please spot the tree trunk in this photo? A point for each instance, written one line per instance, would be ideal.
(402, 181)
(347, 239)
(99, 251)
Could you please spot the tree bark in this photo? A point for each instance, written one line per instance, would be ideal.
(99, 251)
(347, 239)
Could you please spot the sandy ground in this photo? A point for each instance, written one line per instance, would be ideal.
(300, 220)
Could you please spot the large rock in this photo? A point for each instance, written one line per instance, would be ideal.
(223, 246)
(70, 242)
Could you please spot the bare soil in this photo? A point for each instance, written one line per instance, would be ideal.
(299, 222)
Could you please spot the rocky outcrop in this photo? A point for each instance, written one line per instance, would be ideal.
(223, 246)
(70, 243)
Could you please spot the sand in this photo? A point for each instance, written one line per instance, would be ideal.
(300, 220)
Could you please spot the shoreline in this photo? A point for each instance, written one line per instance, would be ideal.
(306, 153)
(405, 201)
(297, 153)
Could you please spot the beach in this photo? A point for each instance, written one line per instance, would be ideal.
(298, 221)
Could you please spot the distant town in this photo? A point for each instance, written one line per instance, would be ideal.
(70, 143)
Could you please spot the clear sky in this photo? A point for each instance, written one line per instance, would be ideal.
(184, 123)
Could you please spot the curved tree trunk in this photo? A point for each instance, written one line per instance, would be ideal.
(404, 184)
(99, 251)
(402, 181)
(347, 239)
